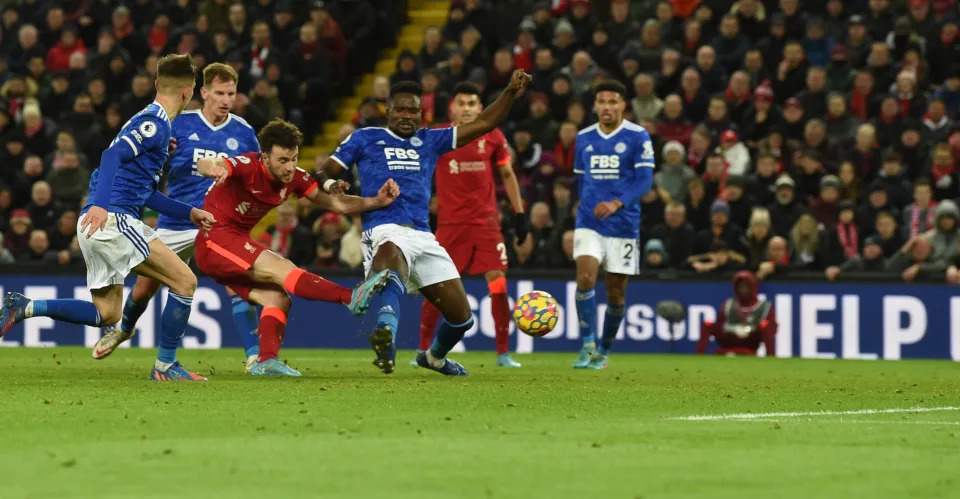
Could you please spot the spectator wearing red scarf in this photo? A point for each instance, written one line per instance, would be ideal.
(672, 125)
(58, 58)
(921, 215)
(159, 33)
(565, 148)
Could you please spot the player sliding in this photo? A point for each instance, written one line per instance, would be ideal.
(467, 223)
(247, 187)
(113, 239)
(397, 238)
(615, 160)
(211, 131)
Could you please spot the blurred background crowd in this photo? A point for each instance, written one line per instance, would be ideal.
(792, 136)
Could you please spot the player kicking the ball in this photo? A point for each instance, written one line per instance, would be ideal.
(615, 160)
(113, 239)
(467, 223)
(211, 131)
(246, 188)
(397, 238)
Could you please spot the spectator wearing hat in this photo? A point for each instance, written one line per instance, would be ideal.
(893, 177)
(672, 123)
(794, 120)
(871, 261)
(839, 72)
(857, 40)
(920, 215)
(645, 104)
(655, 257)
(943, 173)
(839, 123)
(878, 200)
(526, 152)
(735, 153)
(720, 229)
(564, 43)
(677, 234)
(673, 174)
(759, 118)
(785, 209)
(17, 238)
(922, 18)
(817, 45)
(826, 206)
(936, 122)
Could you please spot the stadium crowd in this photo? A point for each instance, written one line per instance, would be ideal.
(791, 136)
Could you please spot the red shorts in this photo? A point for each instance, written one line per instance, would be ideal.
(474, 249)
(227, 256)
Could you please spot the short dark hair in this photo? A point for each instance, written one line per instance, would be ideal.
(406, 87)
(175, 70)
(466, 88)
(279, 133)
(923, 182)
(892, 156)
(611, 86)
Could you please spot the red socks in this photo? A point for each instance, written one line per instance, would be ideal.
(273, 326)
(500, 309)
(429, 315)
(301, 283)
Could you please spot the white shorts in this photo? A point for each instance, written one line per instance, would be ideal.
(179, 241)
(619, 255)
(428, 262)
(110, 254)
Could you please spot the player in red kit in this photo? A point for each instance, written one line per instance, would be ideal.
(468, 225)
(247, 187)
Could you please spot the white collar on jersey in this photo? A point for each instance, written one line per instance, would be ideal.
(607, 136)
(203, 118)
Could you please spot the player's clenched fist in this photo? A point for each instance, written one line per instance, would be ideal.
(519, 81)
(388, 192)
(95, 219)
(202, 219)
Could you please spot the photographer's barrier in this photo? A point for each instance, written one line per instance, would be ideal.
(820, 320)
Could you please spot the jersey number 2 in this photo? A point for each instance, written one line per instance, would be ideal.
(628, 249)
(502, 248)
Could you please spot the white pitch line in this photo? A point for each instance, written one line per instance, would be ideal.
(766, 415)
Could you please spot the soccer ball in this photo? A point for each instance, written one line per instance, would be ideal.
(536, 313)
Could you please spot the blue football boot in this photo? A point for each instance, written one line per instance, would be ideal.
(273, 367)
(14, 311)
(449, 368)
(175, 372)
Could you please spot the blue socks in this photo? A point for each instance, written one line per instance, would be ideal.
(389, 303)
(245, 319)
(173, 321)
(66, 310)
(448, 335)
(132, 310)
(587, 314)
(611, 324)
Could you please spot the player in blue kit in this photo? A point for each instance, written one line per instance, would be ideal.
(615, 161)
(398, 237)
(210, 132)
(113, 239)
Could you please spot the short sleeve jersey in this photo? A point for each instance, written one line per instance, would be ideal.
(381, 155)
(466, 190)
(607, 164)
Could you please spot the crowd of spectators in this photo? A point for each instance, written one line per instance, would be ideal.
(73, 71)
(791, 136)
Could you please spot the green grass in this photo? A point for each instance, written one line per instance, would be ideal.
(74, 427)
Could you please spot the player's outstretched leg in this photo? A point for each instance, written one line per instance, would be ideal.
(451, 299)
(500, 309)
(429, 315)
(137, 300)
(165, 266)
(587, 267)
(273, 325)
(17, 308)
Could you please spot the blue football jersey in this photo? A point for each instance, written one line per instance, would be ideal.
(148, 134)
(607, 165)
(198, 139)
(380, 155)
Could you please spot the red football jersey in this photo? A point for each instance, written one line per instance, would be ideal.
(466, 192)
(250, 192)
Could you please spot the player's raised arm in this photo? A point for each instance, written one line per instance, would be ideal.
(494, 115)
(348, 205)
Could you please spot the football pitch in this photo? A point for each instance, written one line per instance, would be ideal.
(649, 426)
